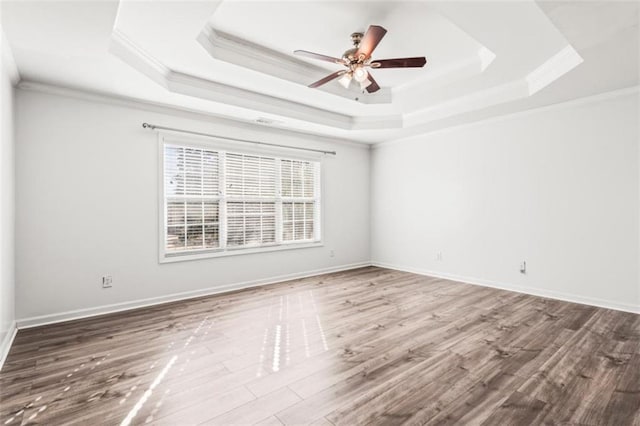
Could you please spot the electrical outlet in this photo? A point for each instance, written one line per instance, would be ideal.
(107, 281)
(439, 256)
(331, 253)
(523, 267)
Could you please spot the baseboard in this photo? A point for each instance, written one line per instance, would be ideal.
(141, 303)
(566, 297)
(6, 343)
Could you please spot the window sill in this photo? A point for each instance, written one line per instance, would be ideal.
(181, 257)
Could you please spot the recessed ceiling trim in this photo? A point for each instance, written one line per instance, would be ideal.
(482, 99)
(554, 68)
(219, 92)
(377, 122)
(486, 58)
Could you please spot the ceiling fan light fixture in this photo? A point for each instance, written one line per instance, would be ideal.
(360, 74)
(345, 80)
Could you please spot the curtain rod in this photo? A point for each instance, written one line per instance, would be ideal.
(156, 127)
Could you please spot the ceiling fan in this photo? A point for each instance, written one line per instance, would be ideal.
(358, 58)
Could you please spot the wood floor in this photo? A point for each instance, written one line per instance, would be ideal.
(368, 346)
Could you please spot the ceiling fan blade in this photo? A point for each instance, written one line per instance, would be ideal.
(318, 56)
(327, 79)
(399, 63)
(370, 40)
(373, 87)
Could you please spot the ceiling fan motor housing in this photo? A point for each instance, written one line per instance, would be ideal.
(356, 38)
(350, 54)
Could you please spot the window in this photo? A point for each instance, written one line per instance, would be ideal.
(298, 199)
(219, 202)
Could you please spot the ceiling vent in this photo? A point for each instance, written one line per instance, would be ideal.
(267, 121)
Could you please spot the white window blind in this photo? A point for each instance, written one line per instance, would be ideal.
(217, 201)
(298, 200)
(192, 198)
(251, 200)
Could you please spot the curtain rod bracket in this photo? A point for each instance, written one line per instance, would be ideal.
(156, 127)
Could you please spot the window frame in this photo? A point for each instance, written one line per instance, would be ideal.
(223, 146)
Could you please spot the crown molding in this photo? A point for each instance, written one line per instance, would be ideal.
(7, 59)
(130, 53)
(169, 109)
(226, 47)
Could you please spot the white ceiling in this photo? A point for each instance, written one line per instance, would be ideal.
(234, 58)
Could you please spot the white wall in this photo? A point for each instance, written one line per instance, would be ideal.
(87, 205)
(558, 188)
(8, 74)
